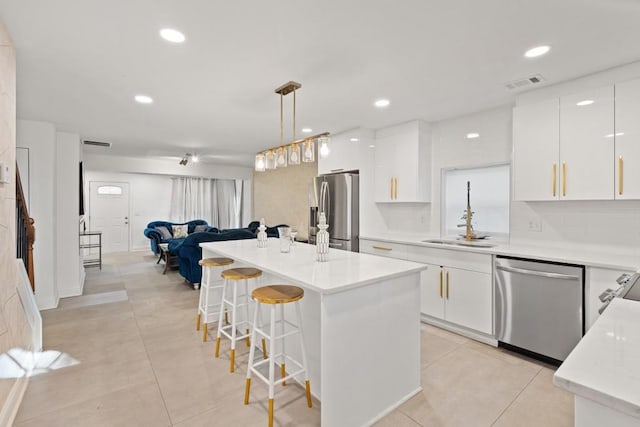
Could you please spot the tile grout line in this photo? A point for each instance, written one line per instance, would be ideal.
(516, 397)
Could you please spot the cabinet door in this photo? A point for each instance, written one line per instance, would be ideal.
(386, 154)
(536, 148)
(344, 155)
(627, 140)
(586, 145)
(468, 299)
(432, 291)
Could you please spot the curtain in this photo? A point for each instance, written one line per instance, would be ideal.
(218, 201)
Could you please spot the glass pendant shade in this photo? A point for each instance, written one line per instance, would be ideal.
(294, 154)
(270, 160)
(323, 147)
(260, 163)
(281, 157)
(308, 154)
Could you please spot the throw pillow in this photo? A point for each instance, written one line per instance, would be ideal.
(179, 231)
(200, 228)
(164, 232)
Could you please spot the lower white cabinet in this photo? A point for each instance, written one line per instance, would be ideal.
(458, 296)
(457, 286)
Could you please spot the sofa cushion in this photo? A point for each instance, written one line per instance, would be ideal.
(179, 231)
(166, 234)
(200, 228)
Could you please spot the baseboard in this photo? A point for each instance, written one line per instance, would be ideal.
(48, 303)
(393, 407)
(12, 403)
(460, 330)
(70, 292)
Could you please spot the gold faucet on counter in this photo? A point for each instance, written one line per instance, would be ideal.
(469, 234)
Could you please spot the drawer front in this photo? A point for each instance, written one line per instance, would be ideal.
(390, 250)
(451, 258)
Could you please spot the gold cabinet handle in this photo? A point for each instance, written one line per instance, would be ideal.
(395, 188)
(620, 174)
(391, 189)
(554, 178)
(564, 179)
(447, 285)
(440, 283)
(382, 248)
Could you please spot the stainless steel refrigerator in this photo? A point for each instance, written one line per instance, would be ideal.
(337, 196)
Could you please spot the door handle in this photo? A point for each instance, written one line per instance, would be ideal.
(447, 285)
(554, 178)
(564, 179)
(440, 283)
(620, 174)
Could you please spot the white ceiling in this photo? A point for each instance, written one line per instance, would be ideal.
(80, 62)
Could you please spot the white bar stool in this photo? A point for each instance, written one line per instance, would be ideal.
(277, 295)
(233, 276)
(208, 311)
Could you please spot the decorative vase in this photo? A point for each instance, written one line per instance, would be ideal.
(262, 234)
(322, 240)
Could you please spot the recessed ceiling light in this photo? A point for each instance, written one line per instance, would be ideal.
(372, 146)
(473, 135)
(143, 99)
(611, 135)
(585, 102)
(354, 139)
(171, 35)
(537, 51)
(381, 103)
(307, 130)
(195, 158)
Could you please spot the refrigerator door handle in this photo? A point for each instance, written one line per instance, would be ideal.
(335, 244)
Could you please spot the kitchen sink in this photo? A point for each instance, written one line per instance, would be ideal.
(473, 244)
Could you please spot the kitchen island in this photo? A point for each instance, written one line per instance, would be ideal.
(361, 318)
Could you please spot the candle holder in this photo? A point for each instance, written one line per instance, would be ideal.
(262, 234)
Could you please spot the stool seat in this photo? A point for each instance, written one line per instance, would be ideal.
(241, 273)
(215, 262)
(277, 294)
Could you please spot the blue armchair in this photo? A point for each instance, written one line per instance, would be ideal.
(189, 251)
(156, 238)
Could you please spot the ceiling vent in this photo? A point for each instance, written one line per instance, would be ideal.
(97, 143)
(526, 82)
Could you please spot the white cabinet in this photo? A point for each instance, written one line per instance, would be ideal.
(345, 151)
(457, 286)
(402, 163)
(535, 151)
(627, 140)
(564, 149)
(586, 145)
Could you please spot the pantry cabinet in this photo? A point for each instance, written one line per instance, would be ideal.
(402, 163)
(563, 149)
(627, 140)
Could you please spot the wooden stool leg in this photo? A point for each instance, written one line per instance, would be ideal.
(304, 354)
(222, 307)
(198, 321)
(234, 320)
(283, 370)
(204, 333)
(247, 388)
(271, 412)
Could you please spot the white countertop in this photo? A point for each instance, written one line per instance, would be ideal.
(554, 253)
(343, 271)
(605, 365)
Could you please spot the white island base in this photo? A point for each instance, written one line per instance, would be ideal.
(361, 319)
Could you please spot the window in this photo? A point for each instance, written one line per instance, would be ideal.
(489, 200)
(109, 190)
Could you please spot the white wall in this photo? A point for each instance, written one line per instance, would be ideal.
(149, 200)
(40, 139)
(67, 215)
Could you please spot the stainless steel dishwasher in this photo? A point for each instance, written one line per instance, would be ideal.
(539, 307)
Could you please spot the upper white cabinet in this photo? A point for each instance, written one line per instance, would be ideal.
(563, 149)
(587, 145)
(402, 163)
(536, 142)
(627, 141)
(345, 151)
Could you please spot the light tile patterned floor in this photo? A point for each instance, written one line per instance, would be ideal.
(144, 364)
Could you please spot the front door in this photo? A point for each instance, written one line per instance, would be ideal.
(109, 213)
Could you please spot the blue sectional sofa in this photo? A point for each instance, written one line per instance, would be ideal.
(156, 238)
(189, 252)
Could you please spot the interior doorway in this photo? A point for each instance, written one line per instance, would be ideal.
(109, 213)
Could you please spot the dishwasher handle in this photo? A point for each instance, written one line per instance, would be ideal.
(538, 273)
